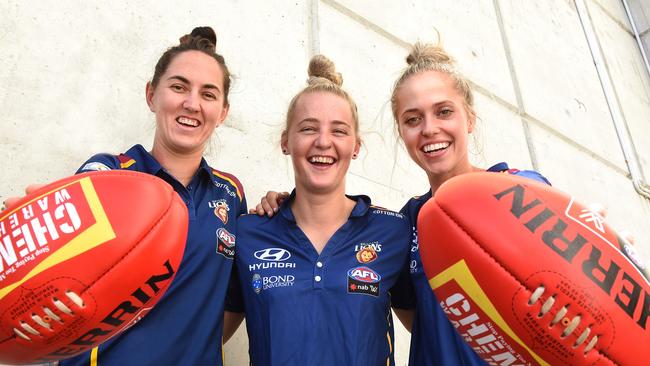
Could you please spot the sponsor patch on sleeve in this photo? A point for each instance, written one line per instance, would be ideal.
(95, 166)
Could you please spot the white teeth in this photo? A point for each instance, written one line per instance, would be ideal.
(321, 159)
(434, 147)
(188, 121)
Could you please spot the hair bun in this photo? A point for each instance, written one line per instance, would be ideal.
(201, 33)
(322, 67)
(425, 53)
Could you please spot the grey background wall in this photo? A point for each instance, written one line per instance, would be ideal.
(73, 74)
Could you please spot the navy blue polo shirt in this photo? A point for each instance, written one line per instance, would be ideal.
(434, 341)
(185, 327)
(303, 308)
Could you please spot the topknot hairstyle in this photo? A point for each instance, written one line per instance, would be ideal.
(429, 57)
(323, 77)
(320, 67)
(202, 39)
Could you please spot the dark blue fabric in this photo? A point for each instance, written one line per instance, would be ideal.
(300, 312)
(185, 327)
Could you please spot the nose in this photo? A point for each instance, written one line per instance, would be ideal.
(430, 126)
(191, 103)
(323, 141)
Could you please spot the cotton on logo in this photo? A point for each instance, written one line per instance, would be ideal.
(272, 254)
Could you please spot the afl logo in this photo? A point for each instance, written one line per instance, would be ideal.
(227, 238)
(272, 254)
(364, 274)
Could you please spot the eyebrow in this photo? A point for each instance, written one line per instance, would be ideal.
(415, 110)
(186, 81)
(335, 122)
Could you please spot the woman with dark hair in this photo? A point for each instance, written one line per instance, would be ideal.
(188, 95)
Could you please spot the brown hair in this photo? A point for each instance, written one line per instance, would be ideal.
(429, 57)
(201, 39)
(323, 77)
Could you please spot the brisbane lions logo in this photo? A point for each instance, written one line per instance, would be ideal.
(366, 255)
(221, 210)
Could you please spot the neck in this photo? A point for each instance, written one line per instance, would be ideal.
(180, 166)
(321, 209)
(436, 180)
(320, 215)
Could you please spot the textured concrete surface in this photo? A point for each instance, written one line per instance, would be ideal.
(72, 79)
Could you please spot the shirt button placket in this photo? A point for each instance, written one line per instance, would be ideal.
(318, 274)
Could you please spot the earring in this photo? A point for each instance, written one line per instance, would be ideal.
(285, 152)
(354, 155)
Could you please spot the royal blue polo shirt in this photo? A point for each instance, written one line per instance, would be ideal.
(185, 327)
(434, 341)
(303, 308)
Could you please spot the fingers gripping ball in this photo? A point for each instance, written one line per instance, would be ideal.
(83, 259)
(529, 276)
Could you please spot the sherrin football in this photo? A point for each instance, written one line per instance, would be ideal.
(529, 276)
(83, 259)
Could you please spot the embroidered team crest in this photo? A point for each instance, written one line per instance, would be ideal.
(366, 255)
(221, 210)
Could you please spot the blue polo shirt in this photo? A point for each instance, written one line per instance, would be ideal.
(434, 341)
(303, 308)
(185, 327)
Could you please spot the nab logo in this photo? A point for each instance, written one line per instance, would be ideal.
(227, 238)
(364, 274)
(272, 254)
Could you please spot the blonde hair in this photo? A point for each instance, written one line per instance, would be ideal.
(428, 57)
(323, 77)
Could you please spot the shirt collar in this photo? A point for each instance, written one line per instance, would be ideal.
(499, 167)
(360, 208)
(149, 164)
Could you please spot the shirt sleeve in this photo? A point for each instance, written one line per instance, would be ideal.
(403, 292)
(99, 162)
(531, 174)
(234, 296)
(243, 208)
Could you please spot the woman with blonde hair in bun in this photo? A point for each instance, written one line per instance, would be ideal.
(433, 107)
(309, 299)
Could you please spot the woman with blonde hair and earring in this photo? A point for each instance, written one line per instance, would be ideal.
(309, 299)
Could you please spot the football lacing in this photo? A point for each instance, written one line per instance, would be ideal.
(569, 325)
(49, 315)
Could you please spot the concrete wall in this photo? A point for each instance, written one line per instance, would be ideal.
(72, 78)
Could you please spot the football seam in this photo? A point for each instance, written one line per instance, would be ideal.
(13, 335)
(139, 242)
(461, 227)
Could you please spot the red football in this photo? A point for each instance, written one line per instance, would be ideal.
(528, 276)
(83, 259)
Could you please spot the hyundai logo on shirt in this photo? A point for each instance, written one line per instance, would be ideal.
(272, 254)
